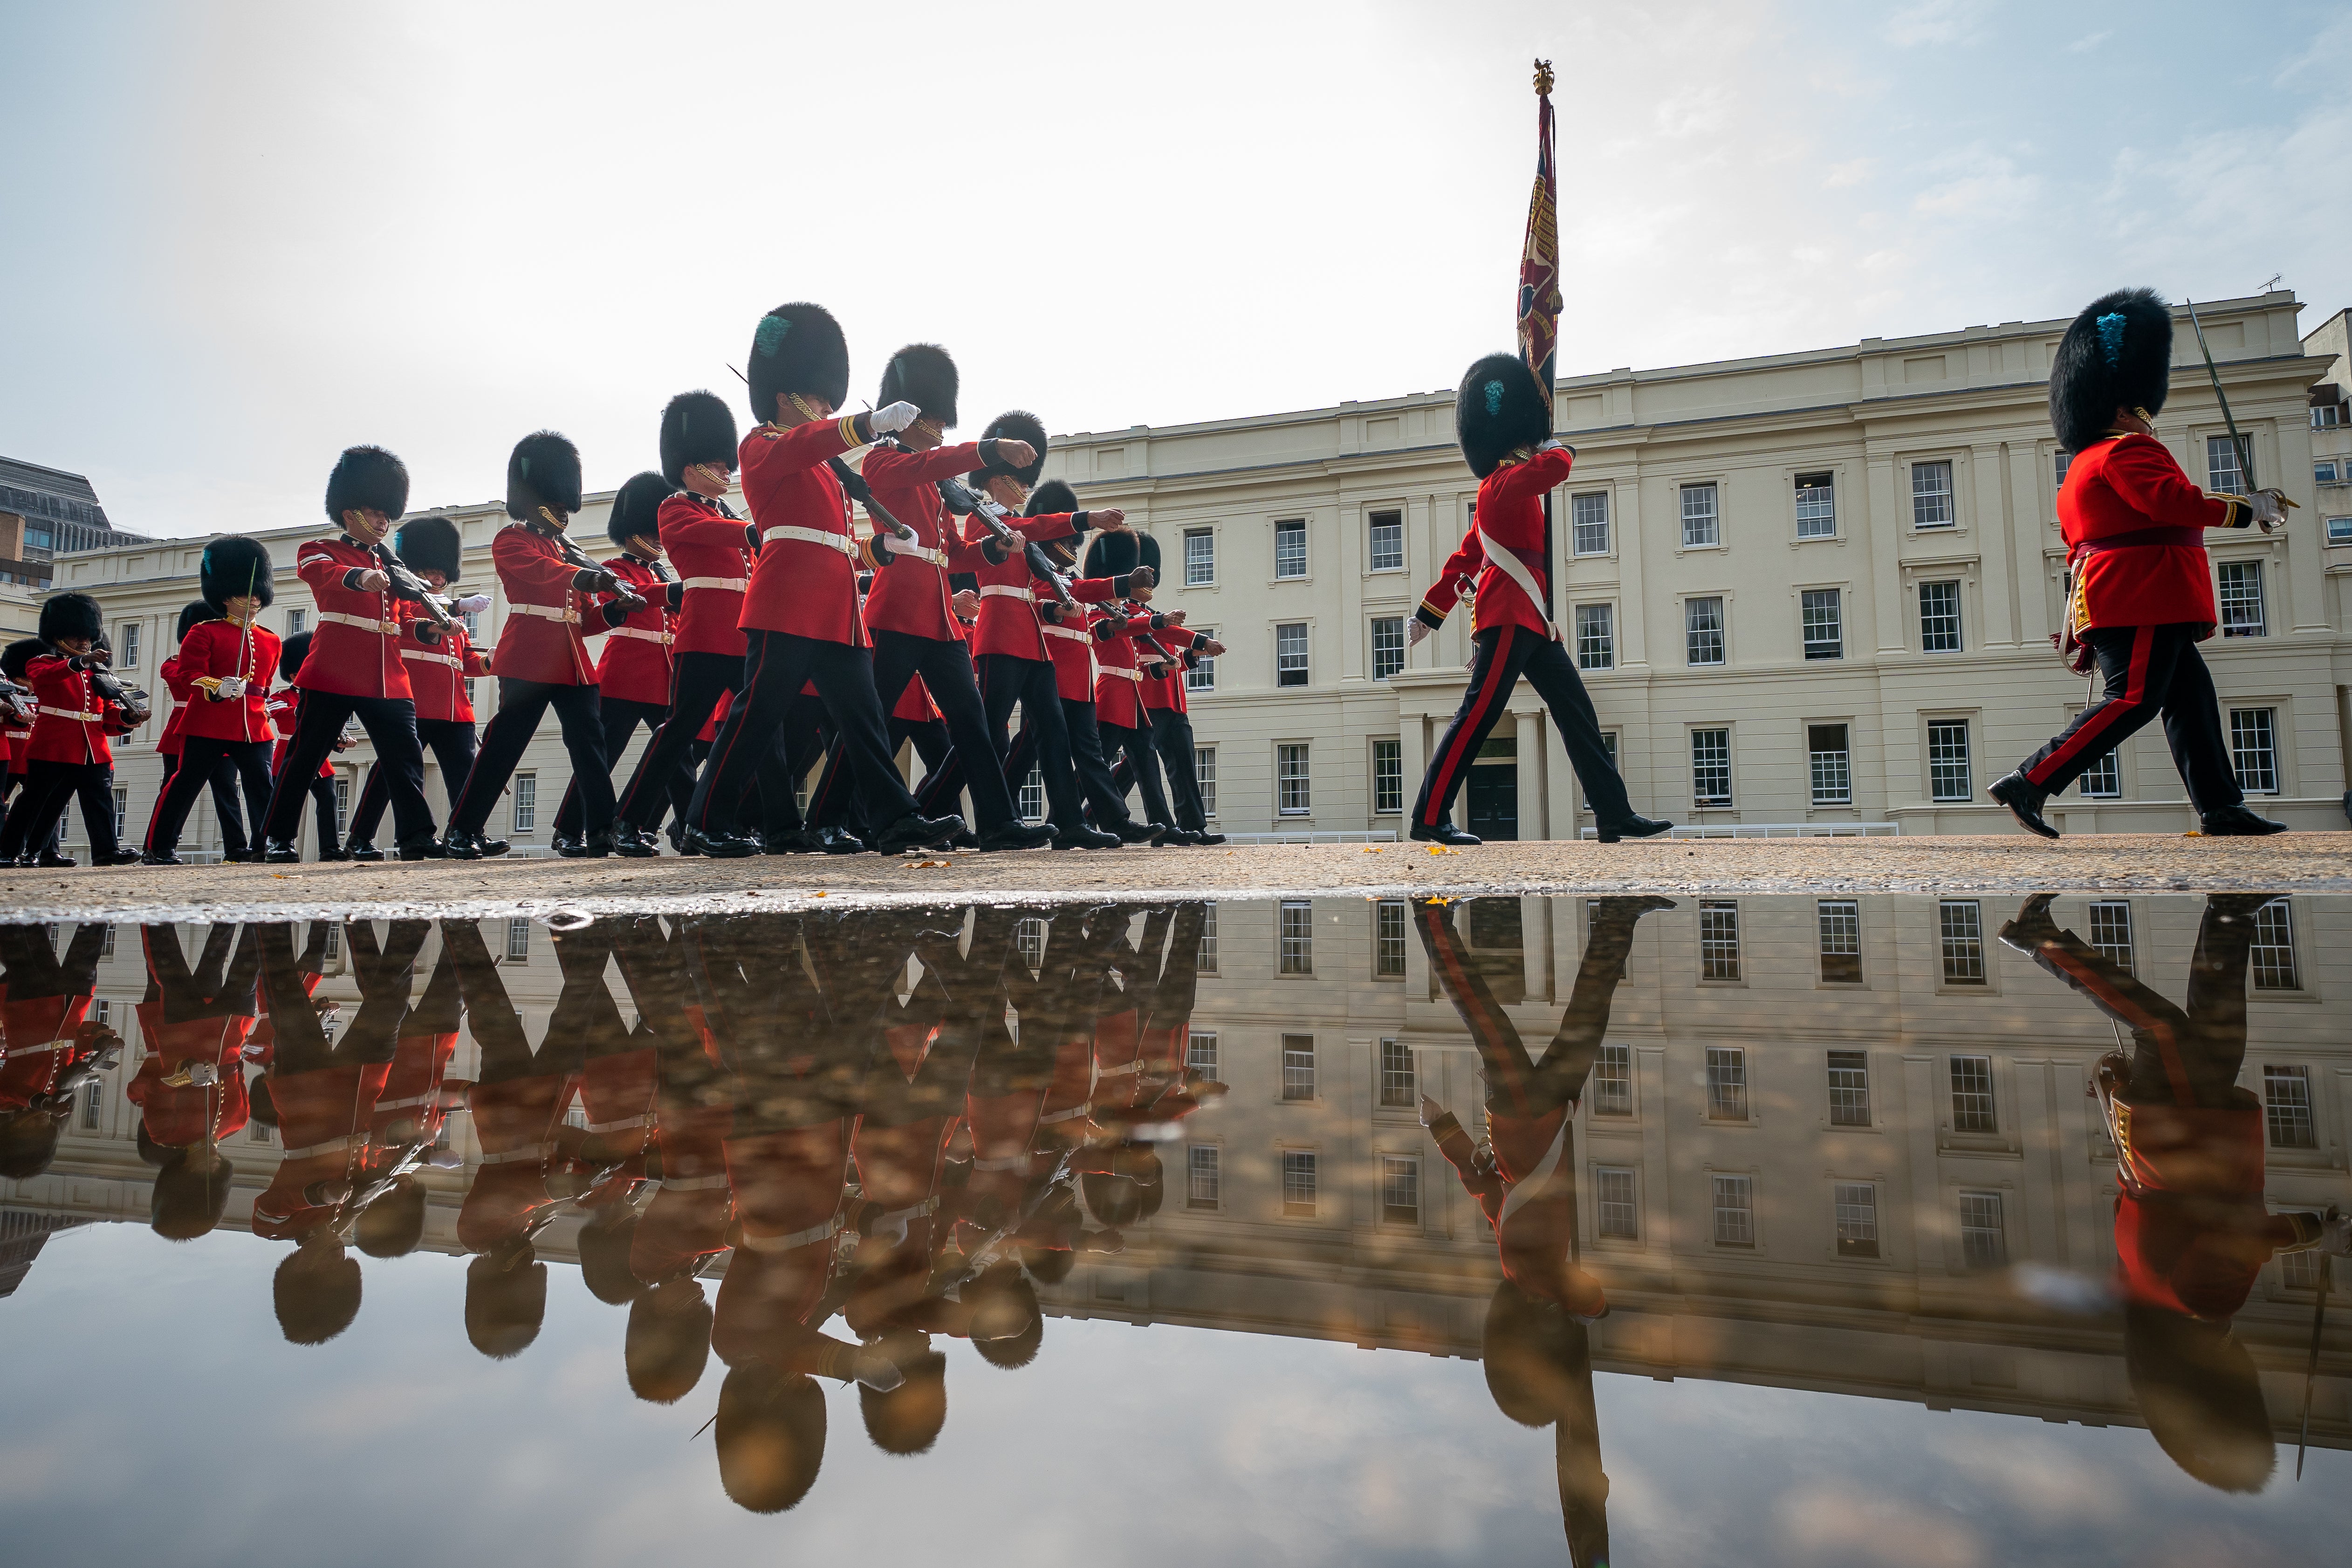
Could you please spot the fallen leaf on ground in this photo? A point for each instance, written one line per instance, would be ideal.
(1439, 849)
(818, 893)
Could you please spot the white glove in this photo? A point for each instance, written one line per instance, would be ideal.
(893, 417)
(1416, 632)
(2269, 506)
(1430, 1110)
(472, 604)
(870, 1366)
(2335, 1233)
(373, 582)
(231, 688)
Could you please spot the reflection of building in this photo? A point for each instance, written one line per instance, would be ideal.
(22, 1233)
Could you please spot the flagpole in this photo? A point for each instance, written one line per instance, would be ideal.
(1538, 301)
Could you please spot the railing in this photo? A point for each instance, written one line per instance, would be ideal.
(1775, 831)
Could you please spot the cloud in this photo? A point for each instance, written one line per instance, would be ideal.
(2090, 41)
(1853, 172)
(1934, 22)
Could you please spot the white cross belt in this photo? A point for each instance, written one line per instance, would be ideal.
(642, 634)
(1026, 596)
(546, 612)
(841, 542)
(79, 716)
(423, 657)
(365, 624)
(731, 584)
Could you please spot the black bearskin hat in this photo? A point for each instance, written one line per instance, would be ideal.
(922, 374)
(1116, 555)
(1533, 1352)
(71, 615)
(2201, 1397)
(2116, 354)
(23, 652)
(232, 567)
(797, 348)
(1020, 426)
(430, 543)
(192, 615)
(366, 479)
(634, 506)
(1499, 409)
(697, 427)
(290, 655)
(1052, 496)
(542, 471)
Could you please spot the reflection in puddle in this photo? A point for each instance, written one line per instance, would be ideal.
(1873, 1147)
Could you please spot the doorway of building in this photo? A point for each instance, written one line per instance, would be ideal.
(1494, 800)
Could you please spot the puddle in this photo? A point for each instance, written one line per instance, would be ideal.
(1166, 1232)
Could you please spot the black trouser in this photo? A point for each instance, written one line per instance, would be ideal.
(1137, 765)
(932, 746)
(1005, 679)
(1093, 771)
(30, 967)
(452, 742)
(491, 1017)
(391, 725)
(696, 680)
(791, 753)
(322, 796)
(230, 815)
(777, 666)
(522, 705)
(621, 718)
(2148, 670)
(217, 985)
(40, 808)
(945, 665)
(1171, 736)
(1499, 655)
(200, 760)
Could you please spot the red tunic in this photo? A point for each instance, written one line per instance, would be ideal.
(706, 549)
(1174, 649)
(74, 721)
(543, 639)
(1072, 643)
(1008, 595)
(806, 581)
(438, 672)
(1119, 684)
(635, 665)
(1527, 1195)
(355, 649)
(176, 1117)
(2191, 1231)
(176, 683)
(1510, 509)
(322, 1120)
(2127, 494)
(912, 594)
(415, 1099)
(915, 705)
(220, 649)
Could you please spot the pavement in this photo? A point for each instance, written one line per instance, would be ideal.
(2116, 863)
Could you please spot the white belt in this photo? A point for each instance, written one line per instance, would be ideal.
(423, 658)
(546, 612)
(917, 552)
(602, 1127)
(1027, 596)
(731, 584)
(365, 623)
(1122, 672)
(693, 1183)
(515, 1156)
(79, 716)
(825, 1232)
(841, 542)
(402, 1105)
(641, 633)
(37, 1050)
(1121, 1071)
(1052, 1116)
(331, 1146)
(1074, 635)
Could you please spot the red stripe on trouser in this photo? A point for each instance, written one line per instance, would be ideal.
(2112, 711)
(1442, 787)
(2167, 1043)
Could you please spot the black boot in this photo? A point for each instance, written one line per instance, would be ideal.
(1443, 833)
(1632, 828)
(1170, 834)
(720, 846)
(798, 841)
(118, 857)
(163, 857)
(967, 840)
(1085, 838)
(569, 848)
(838, 842)
(280, 852)
(1134, 832)
(597, 845)
(1205, 837)
(1013, 834)
(363, 850)
(2032, 926)
(635, 842)
(2024, 802)
(459, 844)
(915, 831)
(2237, 822)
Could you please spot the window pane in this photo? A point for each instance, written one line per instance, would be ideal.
(1734, 1211)
(1972, 1095)
(1290, 547)
(526, 802)
(1033, 797)
(2286, 1108)
(1849, 1089)
(2241, 598)
(1939, 617)
(1703, 630)
(1400, 1190)
(1200, 557)
(1701, 525)
(1711, 767)
(1388, 938)
(1816, 505)
(1961, 928)
(1291, 780)
(1613, 1193)
(1931, 495)
(1298, 1067)
(2223, 470)
(518, 941)
(1832, 762)
(1386, 547)
(1388, 646)
(1824, 620)
(1611, 1091)
(2339, 530)
(1398, 1085)
(1948, 760)
(1205, 1176)
(1297, 938)
(1984, 1242)
(1203, 675)
(1298, 1183)
(1588, 523)
(2271, 957)
(1201, 1052)
(1726, 1083)
(2111, 933)
(1857, 1219)
(1719, 941)
(1029, 939)
(2254, 749)
(1204, 771)
(1290, 654)
(1596, 637)
(1840, 923)
(1208, 962)
(2103, 780)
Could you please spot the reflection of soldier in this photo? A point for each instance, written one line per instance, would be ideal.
(190, 1089)
(49, 1049)
(1539, 1363)
(2192, 1230)
(409, 1114)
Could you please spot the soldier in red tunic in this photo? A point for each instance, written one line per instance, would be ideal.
(441, 665)
(70, 753)
(223, 781)
(2142, 595)
(228, 663)
(542, 659)
(285, 713)
(190, 1088)
(49, 1046)
(801, 614)
(1502, 421)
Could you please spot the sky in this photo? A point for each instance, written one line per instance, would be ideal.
(242, 237)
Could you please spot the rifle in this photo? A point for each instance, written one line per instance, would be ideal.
(2243, 447)
(580, 559)
(406, 585)
(964, 502)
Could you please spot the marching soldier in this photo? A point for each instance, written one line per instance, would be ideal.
(49, 1046)
(227, 662)
(285, 713)
(2142, 596)
(223, 781)
(190, 1087)
(70, 753)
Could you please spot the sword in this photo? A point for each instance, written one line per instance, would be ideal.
(2311, 1369)
(2243, 448)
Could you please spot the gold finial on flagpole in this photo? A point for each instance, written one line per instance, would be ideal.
(1543, 79)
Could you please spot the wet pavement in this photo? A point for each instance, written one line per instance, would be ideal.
(1822, 1227)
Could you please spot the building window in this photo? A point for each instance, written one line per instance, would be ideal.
(1961, 926)
(1833, 764)
(1984, 1242)
(1857, 1219)
(1726, 1083)
(1201, 1052)
(1297, 1066)
(1387, 776)
(472, 620)
(126, 645)
(1200, 557)
(2224, 470)
(1719, 941)
(1948, 760)
(121, 796)
(1298, 1183)
(2103, 780)
(1711, 767)
(1400, 1190)
(1207, 963)
(2271, 957)
(1290, 654)
(2241, 598)
(1816, 505)
(2254, 750)
(1839, 924)
(1386, 546)
(297, 622)
(94, 1102)
(1931, 496)
(1939, 617)
(1387, 940)
(2059, 462)
(2300, 1271)
(1205, 1176)
(1849, 1089)
(1612, 1082)
(1297, 937)
(1596, 637)
(1588, 523)
(100, 1009)
(1397, 1084)
(1972, 1109)
(1204, 773)
(1824, 618)
(1033, 797)
(1202, 674)
(335, 942)
(342, 802)
(1290, 767)
(1388, 646)
(2339, 530)
(1290, 547)
(1029, 941)
(1612, 1200)
(2111, 933)
(518, 941)
(526, 802)
(1702, 523)
(2286, 1108)
(1703, 630)
(2323, 473)
(1734, 1211)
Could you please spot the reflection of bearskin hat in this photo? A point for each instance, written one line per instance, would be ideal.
(1116, 555)
(366, 479)
(394, 1222)
(232, 567)
(922, 374)
(430, 544)
(797, 348)
(2116, 354)
(1499, 408)
(771, 1438)
(1534, 1353)
(317, 1289)
(2200, 1395)
(697, 427)
(1019, 426)
(192, 615)
(505, 1300)
(636, 506)
(291, 653)
(71, 615)
(542, 471)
